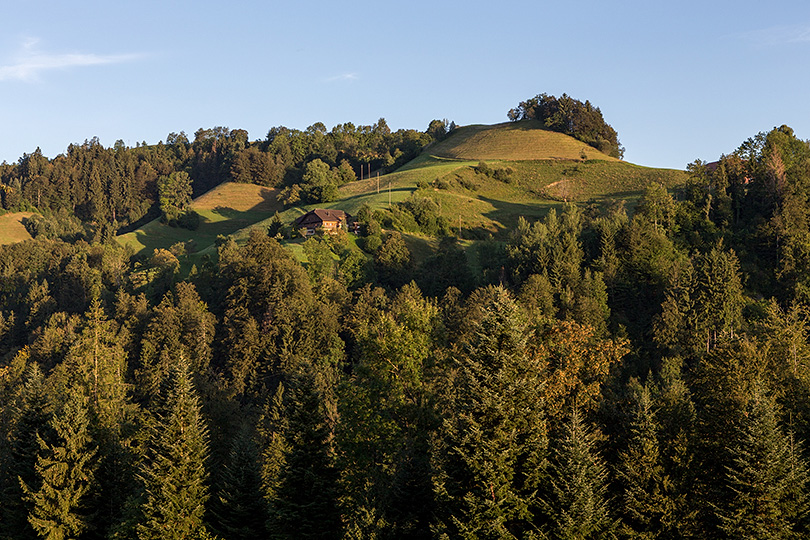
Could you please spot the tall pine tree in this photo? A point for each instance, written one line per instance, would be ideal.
(239, 512)
(304, 492)
(576, 502)
(96, 366)
(647, 502)
(65, 469)
(493, 444)
(30, 423)
(767, 479)
(174, 474)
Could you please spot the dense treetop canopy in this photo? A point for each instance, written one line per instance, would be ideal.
(572, 117)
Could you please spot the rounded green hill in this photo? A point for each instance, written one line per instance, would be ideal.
(526, 140)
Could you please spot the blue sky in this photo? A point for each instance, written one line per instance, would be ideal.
(678, 80)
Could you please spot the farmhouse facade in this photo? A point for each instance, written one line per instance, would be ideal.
(330, 221)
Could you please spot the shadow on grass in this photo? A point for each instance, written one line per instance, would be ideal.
(507, 214)
(227, 212)
(155, 235)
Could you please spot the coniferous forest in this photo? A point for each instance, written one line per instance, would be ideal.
(609, 371)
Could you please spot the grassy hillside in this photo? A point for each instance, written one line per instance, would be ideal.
(12, 229)
(514, 141)
(224, 210)
(547, 169)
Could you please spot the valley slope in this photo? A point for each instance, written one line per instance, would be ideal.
(544, 169)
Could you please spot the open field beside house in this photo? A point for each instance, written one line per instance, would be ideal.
(224, 210)
(12, 229)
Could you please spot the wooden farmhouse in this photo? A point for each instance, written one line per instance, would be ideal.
(330, 221)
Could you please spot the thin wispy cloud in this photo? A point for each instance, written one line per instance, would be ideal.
(343, 77)
(780, 35)
(30, 63)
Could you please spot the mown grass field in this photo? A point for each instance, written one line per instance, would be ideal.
(514, 141)
(225, 210)
(12, 229)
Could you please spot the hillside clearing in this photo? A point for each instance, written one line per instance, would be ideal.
(224, 210)
(12, 229)
(238, 197)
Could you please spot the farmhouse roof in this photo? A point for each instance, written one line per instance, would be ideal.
(320, 215)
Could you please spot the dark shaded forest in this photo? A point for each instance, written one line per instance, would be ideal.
(605, 373)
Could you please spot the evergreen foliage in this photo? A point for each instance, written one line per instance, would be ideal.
(31, 414)
(65, 469)
(648, 505)
(174, 475)
(325, 406)
(577, 502)
(767, 478)
(386, 411)
(304, 501)
(238, 512)
(493, 446)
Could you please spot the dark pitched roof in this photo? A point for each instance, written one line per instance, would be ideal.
(320, 215)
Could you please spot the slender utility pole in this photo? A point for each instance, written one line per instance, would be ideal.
(389, 193)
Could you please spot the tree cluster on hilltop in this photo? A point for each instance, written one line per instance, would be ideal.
(567, 115)
(599, 374)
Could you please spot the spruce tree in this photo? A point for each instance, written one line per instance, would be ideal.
(239, 512)
(576, 502)
(96, 366)
(174, 473)
(493, 442)
(30, 424)
(647, 504)
(675, 416)
(767, 478)
(65, 469)
(722, 384)
(304, 501)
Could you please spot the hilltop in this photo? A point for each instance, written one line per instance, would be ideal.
(547, 169)
(526, 140)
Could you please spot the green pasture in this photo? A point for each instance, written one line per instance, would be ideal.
(213, 223)
(514, 141)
